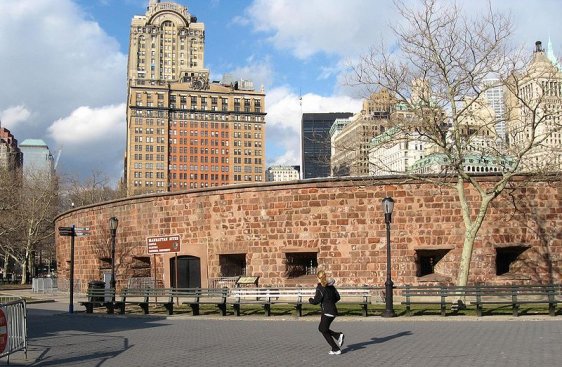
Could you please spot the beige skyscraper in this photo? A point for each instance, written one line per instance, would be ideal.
(534, 107)
(184, 131)
(351, 142)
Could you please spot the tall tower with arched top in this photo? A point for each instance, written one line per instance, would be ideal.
(183, 131)
(167, 44)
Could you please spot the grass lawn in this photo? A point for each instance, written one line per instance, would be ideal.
(344, 310)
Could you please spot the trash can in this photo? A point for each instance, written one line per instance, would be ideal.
(97, 284)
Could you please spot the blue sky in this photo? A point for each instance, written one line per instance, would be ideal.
(64, 64)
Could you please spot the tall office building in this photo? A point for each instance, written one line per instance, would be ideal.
(539, 87)
(37, 158)
(316, 142)
(350, 145)
(11, 157)
(494, 92)
(183, 130)
(281, 173)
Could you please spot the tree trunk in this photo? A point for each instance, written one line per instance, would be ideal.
(6, 262)
(464, 268)
(24, 271)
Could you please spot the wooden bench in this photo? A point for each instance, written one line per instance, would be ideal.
(481, 296)
(143, 297)
(194, 297)
(442, 296)
(99, 297)
(356, 296)
(267, 297)
(425, 295)
(515, 296)
(296, 297)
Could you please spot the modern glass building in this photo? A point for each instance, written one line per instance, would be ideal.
(316, 142)
(37, 157)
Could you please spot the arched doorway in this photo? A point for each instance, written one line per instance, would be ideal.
(189, 272)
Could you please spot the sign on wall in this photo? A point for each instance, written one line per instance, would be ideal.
(163, 244)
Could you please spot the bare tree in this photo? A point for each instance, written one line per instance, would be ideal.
(96, 188)
(34, 202)
(438, 72)
(10, 183)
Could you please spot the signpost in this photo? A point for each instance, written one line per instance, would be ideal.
(72, 232)
(162, 245)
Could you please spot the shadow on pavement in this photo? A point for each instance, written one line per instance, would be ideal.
(42, 323)
(363, 345)
(57, 338)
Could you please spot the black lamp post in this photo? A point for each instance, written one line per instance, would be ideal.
(113, 223)
(388, 206)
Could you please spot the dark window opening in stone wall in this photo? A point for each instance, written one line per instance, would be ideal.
(232, 265)
(427, 261)
(506, 257)
(105, 263)
(141, 266)
(301, 264)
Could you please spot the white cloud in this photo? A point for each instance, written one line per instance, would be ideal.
(85, 125)
(14, 115)
(312, 26)
(54, 60)
(90, 138)
(284, 114)
(260, 71)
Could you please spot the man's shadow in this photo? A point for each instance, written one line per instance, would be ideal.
(363, 345)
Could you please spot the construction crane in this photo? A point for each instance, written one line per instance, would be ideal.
(59, 152)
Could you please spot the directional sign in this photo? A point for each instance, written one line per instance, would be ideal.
(74, 231)
(163, 244)
(66, 231)
(82, 231)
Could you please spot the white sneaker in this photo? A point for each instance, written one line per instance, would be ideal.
(340, 340)
(336, 352)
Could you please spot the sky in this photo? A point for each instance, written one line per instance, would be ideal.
(63, 64)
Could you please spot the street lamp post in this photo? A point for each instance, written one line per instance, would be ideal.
(113, 223)
(388, 206)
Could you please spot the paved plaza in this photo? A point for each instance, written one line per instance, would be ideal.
(57, 338)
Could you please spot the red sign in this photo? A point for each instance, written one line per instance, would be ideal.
(163, 244)
(3, 331)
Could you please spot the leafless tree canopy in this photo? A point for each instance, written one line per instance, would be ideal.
(28, 205)
(439, 71)
(93, 189)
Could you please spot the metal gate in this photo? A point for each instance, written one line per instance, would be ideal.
(13, 327)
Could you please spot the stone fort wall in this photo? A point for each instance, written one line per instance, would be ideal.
(341, 221)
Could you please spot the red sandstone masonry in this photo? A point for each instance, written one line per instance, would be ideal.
(341, 220)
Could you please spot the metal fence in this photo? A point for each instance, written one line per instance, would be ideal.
(63, 285)
(144, 282)
(44, 285)
(223, 282)
(13, 326)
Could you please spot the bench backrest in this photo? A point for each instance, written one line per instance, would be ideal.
(286, 294)
(146, 295)
(480, 292)
(198, 294)
(351, 295)
(94, 294)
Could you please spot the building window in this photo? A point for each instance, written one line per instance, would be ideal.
(507, 258)
(140, 266)
(427, 261)
(232, 265)
(301, 264)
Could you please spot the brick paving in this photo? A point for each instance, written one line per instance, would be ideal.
(57, 338)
